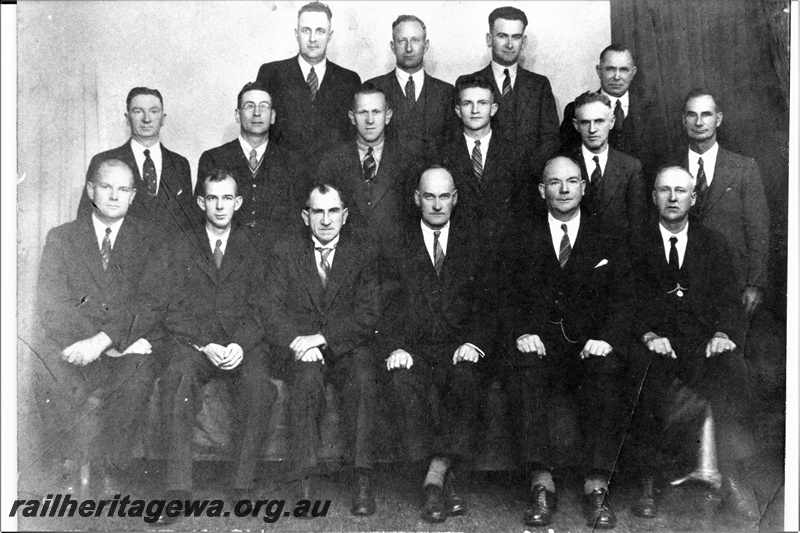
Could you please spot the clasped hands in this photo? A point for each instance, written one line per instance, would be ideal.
(224, 357)
(306, 348)
(530, 343)
(85, 351)
(719, 343)
(402, 359)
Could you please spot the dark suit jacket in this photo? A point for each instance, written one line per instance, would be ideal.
(531, 120)
(78, 299)
(345, 313)
(504, 193)
(172, 209)
(220, 306)
(435, 314)
(270, 202)
(584, 294)
(302, 125)
(706, 271)
(621, 207)
(427, 126)
(735, 205)
(635, 139)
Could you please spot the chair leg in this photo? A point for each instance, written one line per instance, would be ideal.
(706, 470)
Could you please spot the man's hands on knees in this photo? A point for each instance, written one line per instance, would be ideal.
(399, 359)
(719, 343)
(466, 352)
(529, 343)
(224, 357)
(659, 345)
(303, 344)
(595, 348)
(83, 352)
(140, 346)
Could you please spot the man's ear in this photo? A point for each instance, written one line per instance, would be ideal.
(389, 114)
(417, 199)
(694, 198)
(90, 190)
(344, 216)
(272, 117)
(575, 124)
(304, 214)
(495, 107)
(237, 203)
(719, 118)
(201, 202)
(352, 117)
(541, 190)
(655, 202)
(455, 197)
(489, 40)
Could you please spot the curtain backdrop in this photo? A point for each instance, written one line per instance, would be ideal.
(738, 50)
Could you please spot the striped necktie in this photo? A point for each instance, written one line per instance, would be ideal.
(313, 83)
(506, 83)
(565, 249)
(105, 250)
(477, 161)
(325, 266)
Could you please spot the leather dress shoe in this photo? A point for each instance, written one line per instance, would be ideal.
(454, 504)
(597, 510)
(433, 509)
(740, 499)
(542, 506)
(364, 502)
(645, 505)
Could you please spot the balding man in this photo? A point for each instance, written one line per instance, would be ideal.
(688, 319)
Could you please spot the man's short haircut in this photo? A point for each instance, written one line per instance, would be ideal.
(590, 97)
(508, 13)
(316, 7)
(250, 86)
(701, 91)
(469, 81)
(323, 189)
(217, 175)
(617, 48)
(560, 156)
(136, 91)
(369, 88)
(408, 18)
(435, 167)
(663, 169)
(112, 163)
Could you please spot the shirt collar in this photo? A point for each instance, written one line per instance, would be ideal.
(377, 151)
(624, 100)
(331, 244)
(100, 230)
(425, 229)
(588, 157)
(666, 234)
(246, 148)
(709, 155)
(138, 149)
(212, 238)
(497, 70)
(402, 77)
(319, 69)
(572, 225)
(484, 140)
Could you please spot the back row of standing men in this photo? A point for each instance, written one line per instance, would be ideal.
(428, 287)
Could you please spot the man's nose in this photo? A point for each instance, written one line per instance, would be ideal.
(114, 194)
(257, 111)
(564, 189)
(370, 118)
(617, 75)
(218, 204)
(698, 120)
(409, 49)
(326, 219)
(672, 196)
(437, 205)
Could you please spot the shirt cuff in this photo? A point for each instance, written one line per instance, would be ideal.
(476, 348)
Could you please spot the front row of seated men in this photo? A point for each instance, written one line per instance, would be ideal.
(561, 311)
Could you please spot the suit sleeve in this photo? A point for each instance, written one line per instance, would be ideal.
(153, 294)
(636, 200)
(281, 328)
(250, 331)
(548, 142)
(756, 225)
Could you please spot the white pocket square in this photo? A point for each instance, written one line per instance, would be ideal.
(601, 263)
(179, 192)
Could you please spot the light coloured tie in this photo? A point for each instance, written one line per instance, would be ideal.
(438, 253)
(325, 266)
(370, 166)
(218, 255)
(253, 161)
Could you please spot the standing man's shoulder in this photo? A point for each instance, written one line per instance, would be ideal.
(737, 160)
(438, 85)
(347, 76)
(624, 160)
(384, 81)
(123, 152)
(282, 68)
(538, 81)
(177, 159)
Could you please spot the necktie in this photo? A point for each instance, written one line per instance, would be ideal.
(673, 254)
(324, 265)
(369, 166)
(594, 185)
(105, 250)
(597, 173)
(438, 253)
(565, 249)
(218, 254)
(702, 182)
(411, 90)
(313, 83)
(619, 115)
(253, 161)
(477, 161)
(506, 83)
(149, 172)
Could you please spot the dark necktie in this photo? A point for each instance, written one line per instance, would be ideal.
(594, 184)
(253, 161)
(411, 90)
(438, 253)
(673, 254)
(477, 161)
(218, 255)
(105, 250)
(619, 115)
(565, 249)
(702, 181)
(506, 83)
(313, 83)
(324, 265)
(597, 173)
(149, 171)
(369, 166)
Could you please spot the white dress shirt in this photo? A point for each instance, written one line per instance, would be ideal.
(588, 159)
(624, 101)
(213, 238)
(428, 236)
(318, 254)
(319, 69)
(556, 233)
(419, 81)
(484, 146)
(155, 155)
(709, 162)
(246, 148)
(500, 76)
(377, 153)
(680, 245)
(100, 231)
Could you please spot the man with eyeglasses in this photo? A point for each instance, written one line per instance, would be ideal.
(312, 95)
(259, 165)
(423, 120)
(162, 177)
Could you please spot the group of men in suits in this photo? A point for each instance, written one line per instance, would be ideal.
(548, 274)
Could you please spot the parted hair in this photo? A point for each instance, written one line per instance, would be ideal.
(316, 7)
(590, 97)
(136, 91)
(508, 13)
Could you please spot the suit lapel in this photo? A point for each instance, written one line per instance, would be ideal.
(203, 256)
(465, 162)
(131, 160)
(307, 266)
(89, 252)
(612, 179)
(340, 269)
(386, 175)
(723, 176)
